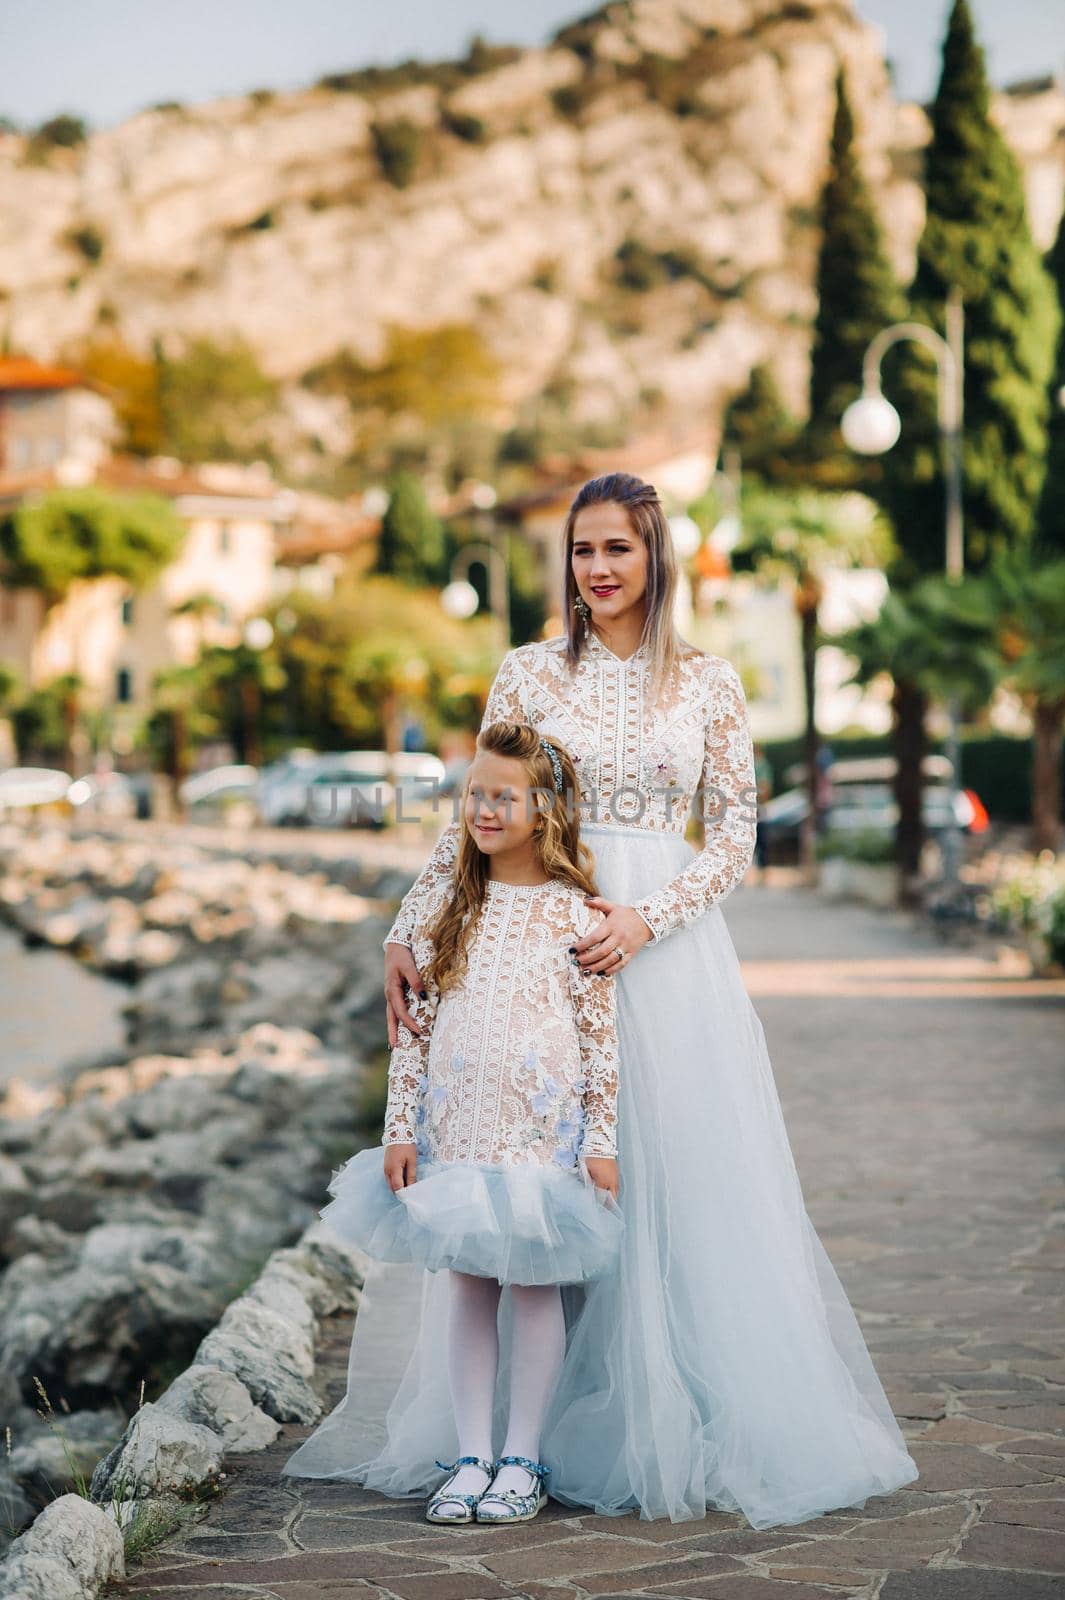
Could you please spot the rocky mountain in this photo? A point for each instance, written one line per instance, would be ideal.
(627, 215)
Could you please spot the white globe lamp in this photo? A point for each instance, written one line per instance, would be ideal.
(459, 600)
(871, 425)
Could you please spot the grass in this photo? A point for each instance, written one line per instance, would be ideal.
(142, 1524)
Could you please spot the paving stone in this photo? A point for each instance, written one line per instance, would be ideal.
(449, 1586)
(661, 1531)
(1032, 1513)
(747, 1587)
(319, 1531)
(964, 1430)
(477, 1540)
(1039, 1417)
(998, 1544)
(968, 1583)
(956, 1466)
(826, 1575)
(304, 1566)
(235, 1546)
(587, 1558)
(679, 1574)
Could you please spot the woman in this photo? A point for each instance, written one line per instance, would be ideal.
(720, 1365)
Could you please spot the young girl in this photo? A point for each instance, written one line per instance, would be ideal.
(499, 1144)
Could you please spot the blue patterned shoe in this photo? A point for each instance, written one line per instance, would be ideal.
(468, 1501)
(515, 1507)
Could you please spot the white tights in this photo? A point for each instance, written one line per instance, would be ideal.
(538, 1344)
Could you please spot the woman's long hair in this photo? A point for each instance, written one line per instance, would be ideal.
(558, 845)
(648, 519)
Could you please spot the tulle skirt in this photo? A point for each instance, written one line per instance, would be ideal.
(718, 1363)
(520, 1224)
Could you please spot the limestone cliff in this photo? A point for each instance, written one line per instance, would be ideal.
(498, 193)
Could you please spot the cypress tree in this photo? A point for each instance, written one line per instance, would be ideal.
(857, 296)
(976, 236)
(1050, 518)
(411, 546)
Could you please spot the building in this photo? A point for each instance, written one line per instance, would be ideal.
(248, 540)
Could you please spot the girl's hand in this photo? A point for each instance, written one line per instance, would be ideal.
(622, 929)
(401, 1165)
(400, 974)
(603, 1171)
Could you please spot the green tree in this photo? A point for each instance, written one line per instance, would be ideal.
(759, 425)
(411, 546)
(803, 536)
(1025, 607)
(857, 296)
(976, 237)
(134, 383)
(72, 534)
(216, 402)
(934, 642)
(1050, 515)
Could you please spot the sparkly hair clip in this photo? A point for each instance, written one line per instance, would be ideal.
(556, 765)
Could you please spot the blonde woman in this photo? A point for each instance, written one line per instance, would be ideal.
(720, 1363)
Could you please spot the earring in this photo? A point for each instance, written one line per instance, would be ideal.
(582, 608)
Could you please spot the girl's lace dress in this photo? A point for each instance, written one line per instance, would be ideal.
(719, 1362)
(513, 1082)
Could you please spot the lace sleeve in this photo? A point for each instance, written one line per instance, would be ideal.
(504, 704)
(729, 810)
(595, 1008)
(407, 1068)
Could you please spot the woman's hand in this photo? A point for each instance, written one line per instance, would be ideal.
(400, 974)
(401, 1165)
(622, 929)
(603, 1171)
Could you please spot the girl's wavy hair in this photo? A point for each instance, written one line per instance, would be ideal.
(648, 520)
(557, 842)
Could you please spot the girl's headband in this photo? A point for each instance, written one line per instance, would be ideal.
(556, 765)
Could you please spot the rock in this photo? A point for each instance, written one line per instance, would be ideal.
(160, 1453)
(69, 1553)
(219, 1401)
(52, 1456)
(331, 1274)
(15, 1507)
(269, 1356)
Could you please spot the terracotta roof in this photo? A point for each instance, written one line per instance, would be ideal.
(22, 372)
(560, 476)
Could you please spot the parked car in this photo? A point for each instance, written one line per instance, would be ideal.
(863, 800)
(351, 789)
(33, 786)
(218, 788)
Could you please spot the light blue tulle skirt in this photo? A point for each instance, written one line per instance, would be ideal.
(718, 1362)
(517, 1224)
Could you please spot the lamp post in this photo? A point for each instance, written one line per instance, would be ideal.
(871, 425)
(460, 599)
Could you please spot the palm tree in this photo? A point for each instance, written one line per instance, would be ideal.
(802, 536)
(935, 641)
(1028, 602)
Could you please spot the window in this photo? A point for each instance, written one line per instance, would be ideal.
(127, 611)
(124, 685)
(224, 539)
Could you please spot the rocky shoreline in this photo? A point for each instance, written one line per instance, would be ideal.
(139, 1197)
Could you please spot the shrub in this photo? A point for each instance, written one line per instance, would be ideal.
(469, 128)
(397, 146)
(639, 268)
(88, 240)
(64, 131)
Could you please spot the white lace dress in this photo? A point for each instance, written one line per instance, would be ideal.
(511, 1084)
(719, 1363)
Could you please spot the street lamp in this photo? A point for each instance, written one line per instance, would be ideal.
(459, 598)
(871, 425)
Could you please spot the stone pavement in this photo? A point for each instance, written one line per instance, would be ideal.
(922, 1087)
